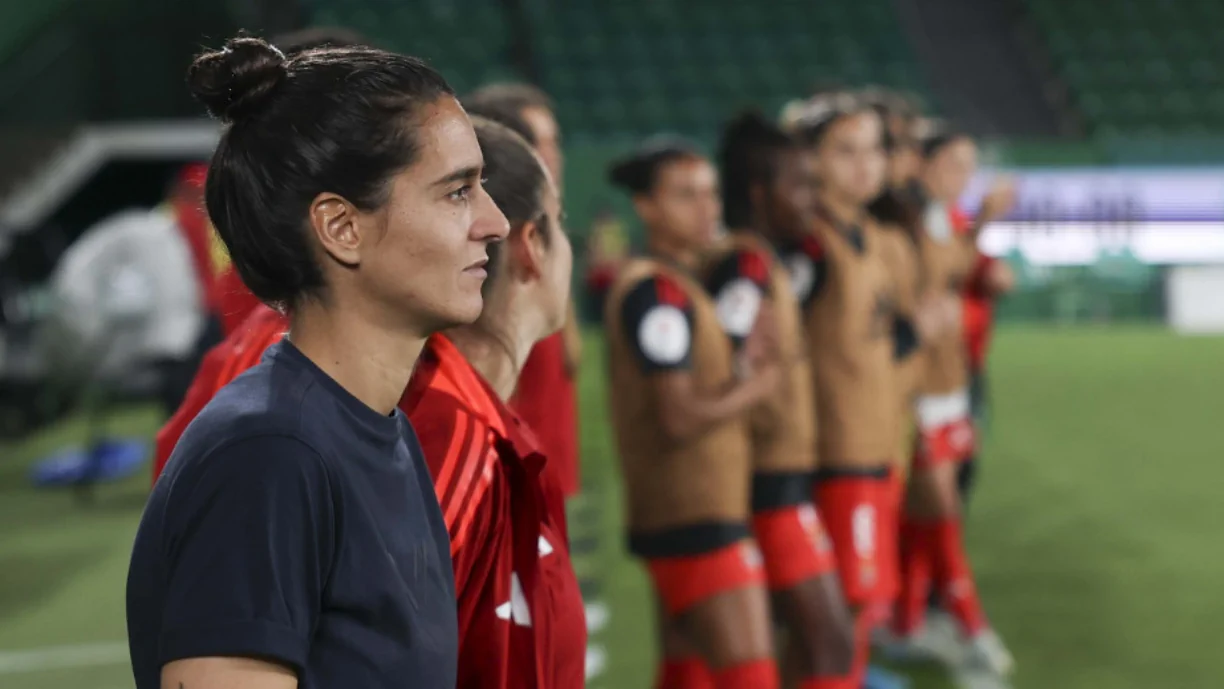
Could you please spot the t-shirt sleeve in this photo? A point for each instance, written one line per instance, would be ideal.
(739, 282)
(248, 541)
(657, 318)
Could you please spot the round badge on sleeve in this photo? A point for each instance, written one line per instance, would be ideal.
(664, 335)
(802, 274)
(737, 306)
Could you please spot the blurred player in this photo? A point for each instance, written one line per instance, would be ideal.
(546, 397)
(679, 400)
(898, 211)
(521, 621)
(768, 200)
(848, 299)
(934, 550)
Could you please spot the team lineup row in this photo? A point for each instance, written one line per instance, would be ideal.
(361, 501)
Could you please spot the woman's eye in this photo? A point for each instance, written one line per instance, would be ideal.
(461, 194)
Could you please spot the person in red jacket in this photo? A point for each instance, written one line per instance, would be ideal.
(546, 397)
(521, 616)
(240, 350)
(989, 279)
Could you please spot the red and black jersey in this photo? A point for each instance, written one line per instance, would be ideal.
(978, 301)
(739, 282)
(239, 351)
(657, 319)
(521, 616)
(807, 267)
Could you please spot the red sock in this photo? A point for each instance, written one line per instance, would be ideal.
(955, 577)
(829, 683)
(683, 673)
(864, 622)
(918, 549)
(754, 674)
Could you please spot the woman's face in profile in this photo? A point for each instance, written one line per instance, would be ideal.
(429, 248)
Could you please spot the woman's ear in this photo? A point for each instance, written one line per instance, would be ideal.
(526, 244)
(335, 224)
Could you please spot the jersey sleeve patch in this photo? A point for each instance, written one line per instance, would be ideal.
(658, 324)
(807, 270)
(738, 283)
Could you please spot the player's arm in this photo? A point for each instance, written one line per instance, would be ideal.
(227, 673)
(241, 603)
(451, 439)
(658, 323)
(996, 204)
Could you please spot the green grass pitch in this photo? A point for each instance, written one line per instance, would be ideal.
(1094, 532)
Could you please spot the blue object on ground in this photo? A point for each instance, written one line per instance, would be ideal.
(112, 459)
(878, 678)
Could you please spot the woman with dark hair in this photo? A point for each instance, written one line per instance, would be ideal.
(504, 513)
(934, 553)
(294, 538)
(849, 317)
(680, 397)
(768, 204)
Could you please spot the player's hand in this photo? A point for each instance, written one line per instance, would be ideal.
(762, 344)
(999, 201)
(936, 315)
(765, 379)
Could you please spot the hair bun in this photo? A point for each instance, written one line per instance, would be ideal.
(234, 81)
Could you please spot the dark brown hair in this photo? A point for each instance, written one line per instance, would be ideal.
(327, 120)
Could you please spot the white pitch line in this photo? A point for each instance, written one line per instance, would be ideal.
(969, 679)
(55, 657)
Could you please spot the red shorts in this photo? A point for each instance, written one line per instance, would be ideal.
(861, 515)
(945, 429)
(686, 580)
(794, 545)
(948, 443)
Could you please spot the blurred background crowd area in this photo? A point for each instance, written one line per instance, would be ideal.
(1109, 115)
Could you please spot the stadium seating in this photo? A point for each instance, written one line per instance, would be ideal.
(1139, 66)
(467, 41)
(636, 67)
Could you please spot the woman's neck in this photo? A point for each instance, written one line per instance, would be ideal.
(843, 211)
(670, 251)
(371, 362)
(497, 346)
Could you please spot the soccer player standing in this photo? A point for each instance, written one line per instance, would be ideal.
(934, 552)
(679, 402)
(546, 397)
(849, 309)
(295, 539)
(768, 201)
(521, 617)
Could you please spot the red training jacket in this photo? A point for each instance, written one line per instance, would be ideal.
(546, 400)
(521, 616)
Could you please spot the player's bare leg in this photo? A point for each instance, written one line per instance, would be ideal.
(934, 554)
(734, 633)
(819, 649)
(681, 665)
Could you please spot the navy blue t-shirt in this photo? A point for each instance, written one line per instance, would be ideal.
(294, 523)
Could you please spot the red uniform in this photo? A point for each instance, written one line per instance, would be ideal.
(239, 351)
(979, 313)
(979, 304)
(232, 300)
(521, 616)
(545, 399)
